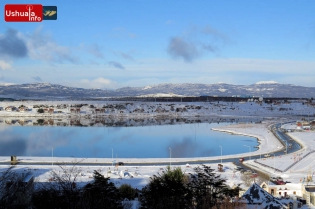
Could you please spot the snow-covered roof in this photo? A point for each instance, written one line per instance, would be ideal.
(257, 195)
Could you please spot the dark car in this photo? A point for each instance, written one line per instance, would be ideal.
(120, 163)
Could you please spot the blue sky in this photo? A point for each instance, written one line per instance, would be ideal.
(112, 44)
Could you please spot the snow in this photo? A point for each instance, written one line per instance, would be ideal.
(292, 167)
(224, 109)
(161, 95)
(147, 87)
(136, 176)
(266, 82)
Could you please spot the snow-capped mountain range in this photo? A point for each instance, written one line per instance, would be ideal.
(260, 89)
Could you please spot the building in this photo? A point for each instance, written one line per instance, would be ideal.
(23, 109)
(257, 197)
(10, 108)
(308, 193)
(282, 190)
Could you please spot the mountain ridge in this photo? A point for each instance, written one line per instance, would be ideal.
(260, 89)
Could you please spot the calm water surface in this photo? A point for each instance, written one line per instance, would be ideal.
(185, 140)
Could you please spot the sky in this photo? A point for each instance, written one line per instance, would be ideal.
(112, 44)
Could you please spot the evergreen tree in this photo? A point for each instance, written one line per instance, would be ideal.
(126, 191)
(101, 193)
(166, 191)
(209, 189)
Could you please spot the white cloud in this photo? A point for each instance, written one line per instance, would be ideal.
(98, 83)
(42, 47)
(6, 84)
(5, 65)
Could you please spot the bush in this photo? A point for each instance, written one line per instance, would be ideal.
(40, 110)
(40, 121)
(167, 191)
(126, 191)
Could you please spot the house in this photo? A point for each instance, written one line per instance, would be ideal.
(10, 108)
(303, 125)
(51, 111)
(282, 190)
(8, 121)
(308, 193)
(257, 197)
(101, 110)
(23, 109)
(75, 110)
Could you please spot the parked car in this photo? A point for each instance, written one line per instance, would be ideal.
(120, 163)
(279, 182)
(273, 178)
(238, 168)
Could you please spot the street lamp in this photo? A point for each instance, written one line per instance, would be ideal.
(274, 161)
(249, 150)
(112, 157)
(170, 156)
(52, 156)
(221, 154)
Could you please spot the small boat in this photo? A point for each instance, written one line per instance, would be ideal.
(267, 155)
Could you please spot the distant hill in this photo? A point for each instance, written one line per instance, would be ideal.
(264, 89)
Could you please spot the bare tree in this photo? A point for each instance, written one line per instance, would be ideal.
(62, 190)
(247, 179)
(66, 177)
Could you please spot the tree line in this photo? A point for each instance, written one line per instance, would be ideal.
(173, 189)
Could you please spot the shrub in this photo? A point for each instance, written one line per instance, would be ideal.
(126, 191)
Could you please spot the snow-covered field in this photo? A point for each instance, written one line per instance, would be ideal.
(155, 109)
(293, 167)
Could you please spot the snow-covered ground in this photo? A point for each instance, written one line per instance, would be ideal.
(292, 167)
(153, 109)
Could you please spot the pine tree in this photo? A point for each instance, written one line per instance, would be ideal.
(166, 191)
(102, 193)
(209, 189)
